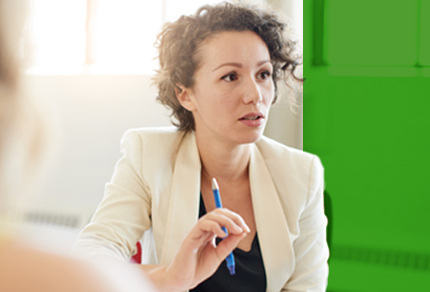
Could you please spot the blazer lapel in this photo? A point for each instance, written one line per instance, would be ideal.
(272, 229)
(184, 199)
(273, 232)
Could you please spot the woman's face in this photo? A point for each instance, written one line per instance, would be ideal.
(233, 88)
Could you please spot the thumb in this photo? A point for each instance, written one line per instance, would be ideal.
(227, 245)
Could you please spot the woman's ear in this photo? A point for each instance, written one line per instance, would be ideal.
(185, 97)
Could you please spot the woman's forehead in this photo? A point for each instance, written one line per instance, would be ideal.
(233, 46)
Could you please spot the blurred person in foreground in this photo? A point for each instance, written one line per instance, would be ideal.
(24, 138)
(220, 69)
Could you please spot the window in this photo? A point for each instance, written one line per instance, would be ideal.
(55, 36)
(98, 36)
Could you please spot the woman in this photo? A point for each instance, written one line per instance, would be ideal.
(23, 137)
(218, 73)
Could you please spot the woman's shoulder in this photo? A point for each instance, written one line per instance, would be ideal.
(150, 133)
(153, 138)
(271, 149)
(291, 168)
(151, 149)
(282, 159)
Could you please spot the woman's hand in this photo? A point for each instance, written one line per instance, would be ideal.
(198, 257)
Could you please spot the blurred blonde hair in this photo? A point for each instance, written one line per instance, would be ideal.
(24, 140)
(23, 132)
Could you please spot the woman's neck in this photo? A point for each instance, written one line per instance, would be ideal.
(225, 162)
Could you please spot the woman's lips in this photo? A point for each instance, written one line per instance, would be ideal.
(252, 120)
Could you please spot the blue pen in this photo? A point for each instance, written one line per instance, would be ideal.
(218, 204)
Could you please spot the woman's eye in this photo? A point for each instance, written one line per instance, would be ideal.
(230, 77)
(264, 75)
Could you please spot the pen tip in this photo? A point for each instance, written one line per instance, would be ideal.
(214, 184)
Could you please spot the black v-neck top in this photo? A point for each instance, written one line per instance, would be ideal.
(250, 274)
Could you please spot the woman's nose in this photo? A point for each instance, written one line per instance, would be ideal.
(253, 93)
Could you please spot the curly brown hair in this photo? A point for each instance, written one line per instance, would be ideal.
(179, 41)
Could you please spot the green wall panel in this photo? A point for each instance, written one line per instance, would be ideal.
(369, 32)
(370, 126)
(424, 44)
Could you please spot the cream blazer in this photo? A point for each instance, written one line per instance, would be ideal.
(154, 195)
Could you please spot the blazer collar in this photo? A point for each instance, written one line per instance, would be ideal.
(273, 233)
(272, 228)
(184, 197)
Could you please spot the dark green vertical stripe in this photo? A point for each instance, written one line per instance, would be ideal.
(318, 35)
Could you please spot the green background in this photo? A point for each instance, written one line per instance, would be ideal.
(366, 115)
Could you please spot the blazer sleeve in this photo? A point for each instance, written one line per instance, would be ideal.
(310, 248)
(125, 211)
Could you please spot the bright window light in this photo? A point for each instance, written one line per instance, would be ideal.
(57, 35)
(99, 36)
(177, 8)
(124, 35)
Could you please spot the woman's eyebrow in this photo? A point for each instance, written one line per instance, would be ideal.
(228, 64)
(239, 65)
(263, 62)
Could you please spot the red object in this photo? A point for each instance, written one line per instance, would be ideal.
(137, 258)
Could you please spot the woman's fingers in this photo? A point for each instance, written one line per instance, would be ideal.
(198, 256)
(225, 247)
(228, 219)
(207, 225)
(212, 225)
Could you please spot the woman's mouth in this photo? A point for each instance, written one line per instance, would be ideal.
(252, 119)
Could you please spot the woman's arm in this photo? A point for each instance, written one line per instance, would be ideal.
(198, 257)
(124, 214)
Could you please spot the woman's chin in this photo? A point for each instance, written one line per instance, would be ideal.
(248, 138)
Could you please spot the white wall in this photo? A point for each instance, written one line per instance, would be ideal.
(284, 125)
(93, 112)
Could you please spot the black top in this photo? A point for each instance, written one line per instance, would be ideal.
(250, 274)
